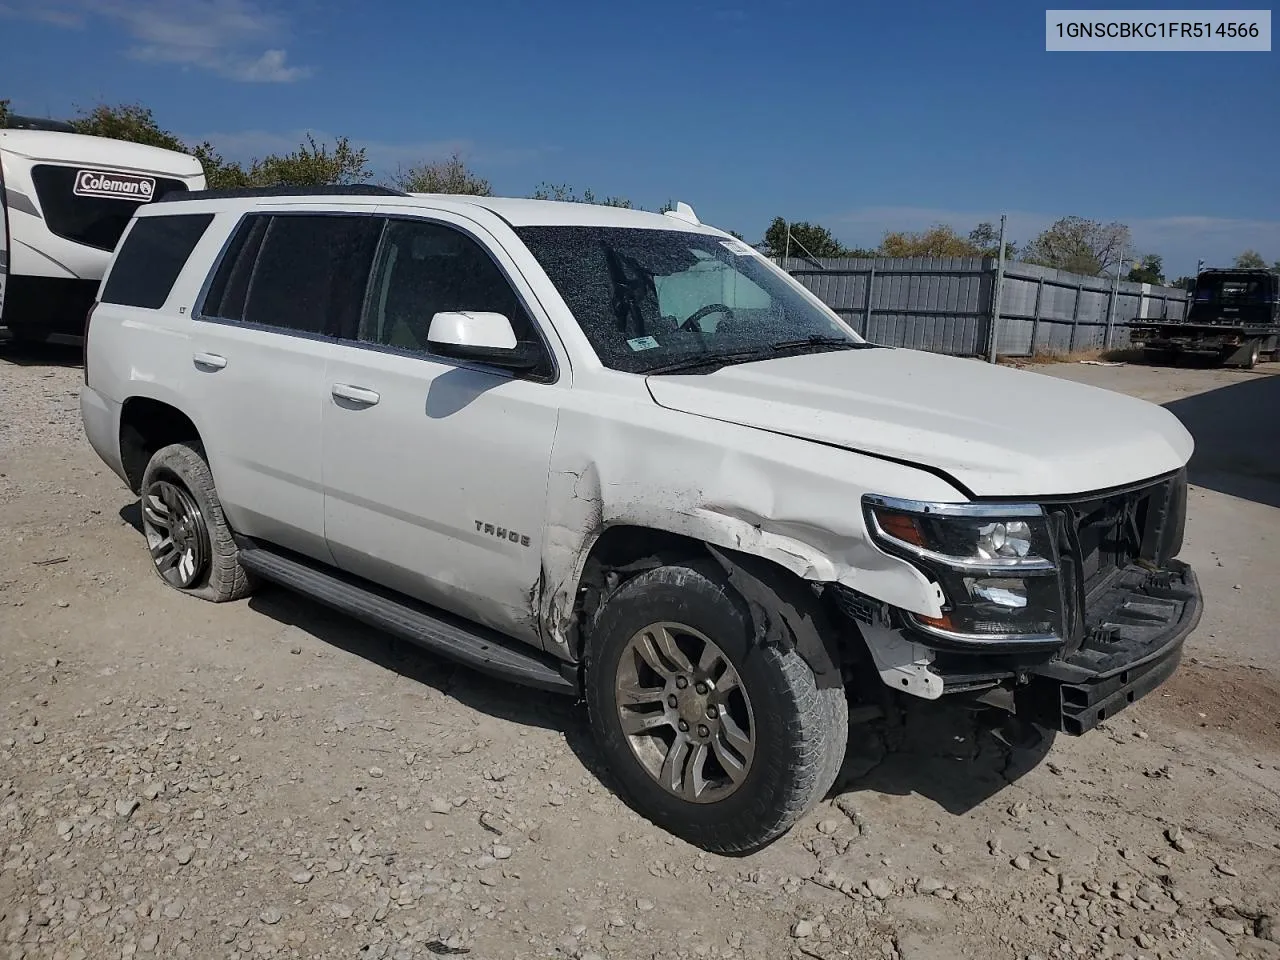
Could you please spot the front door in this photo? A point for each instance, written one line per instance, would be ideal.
(435, 471)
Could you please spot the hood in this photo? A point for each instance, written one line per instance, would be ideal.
(998, 431)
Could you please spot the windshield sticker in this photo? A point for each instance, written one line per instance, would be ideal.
(643, 343)
(113, 186)
(738, 247)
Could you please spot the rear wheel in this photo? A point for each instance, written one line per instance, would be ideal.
(717, 739)
(190, 543)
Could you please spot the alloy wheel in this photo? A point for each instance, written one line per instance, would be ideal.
(685, 712)
(176, 533)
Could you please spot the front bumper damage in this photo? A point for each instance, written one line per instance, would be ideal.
(1138, 622)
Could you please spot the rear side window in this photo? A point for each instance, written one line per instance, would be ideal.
(302, 272)
(93, 207)
(151, 258)
(230, 284)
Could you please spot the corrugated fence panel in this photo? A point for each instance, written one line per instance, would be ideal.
(944, 304)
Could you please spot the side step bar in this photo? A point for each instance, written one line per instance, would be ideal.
(469, 644)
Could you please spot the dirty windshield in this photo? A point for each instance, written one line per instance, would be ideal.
(653, 301)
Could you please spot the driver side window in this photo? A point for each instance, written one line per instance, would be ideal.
(426, 268)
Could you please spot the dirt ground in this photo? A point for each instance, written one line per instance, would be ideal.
(267, 779)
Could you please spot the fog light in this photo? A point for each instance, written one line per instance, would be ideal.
(1010, 594)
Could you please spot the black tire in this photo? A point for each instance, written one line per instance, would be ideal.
(1251, 361)
(800, 732)
(221, 577)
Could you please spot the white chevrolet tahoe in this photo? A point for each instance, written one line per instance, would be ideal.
(623, 456)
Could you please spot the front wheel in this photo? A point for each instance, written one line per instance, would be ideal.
(714, 737)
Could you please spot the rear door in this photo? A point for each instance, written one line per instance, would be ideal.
(259, 350)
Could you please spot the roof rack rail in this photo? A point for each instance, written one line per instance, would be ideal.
(17, 122)
(332, 190)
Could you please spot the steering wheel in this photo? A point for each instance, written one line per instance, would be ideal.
(710, 308)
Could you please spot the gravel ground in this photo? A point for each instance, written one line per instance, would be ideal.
(267, 779)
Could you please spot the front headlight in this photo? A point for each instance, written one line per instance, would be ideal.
(996, 564)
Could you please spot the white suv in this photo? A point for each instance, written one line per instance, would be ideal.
(622, 455)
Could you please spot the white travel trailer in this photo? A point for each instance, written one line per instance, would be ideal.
(65, 200)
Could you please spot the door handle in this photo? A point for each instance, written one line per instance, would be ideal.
(210, 360)
(361, 395)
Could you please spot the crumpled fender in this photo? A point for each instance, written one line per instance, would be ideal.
(785, 613)
(791, 502)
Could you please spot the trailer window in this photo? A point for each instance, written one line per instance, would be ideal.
(93, 221)
(151, 258)
(1233, 290)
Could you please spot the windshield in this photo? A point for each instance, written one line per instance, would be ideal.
(1231, 290)
(663, 299)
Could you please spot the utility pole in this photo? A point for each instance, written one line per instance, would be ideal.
(997, 296)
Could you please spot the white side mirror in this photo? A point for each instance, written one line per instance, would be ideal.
(480, 338)
(466, 329)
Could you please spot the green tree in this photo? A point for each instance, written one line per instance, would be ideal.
(442, 176)
(5, 113)
(1079, 245)
(1250, 260)
(127, 121)
(937, 241)
(220, 174)
(1149, 269)
(985, 239)
(564, 192)
(313, 164)
(1182, 282)
(806, 239)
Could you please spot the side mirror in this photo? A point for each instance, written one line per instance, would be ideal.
(480, 337)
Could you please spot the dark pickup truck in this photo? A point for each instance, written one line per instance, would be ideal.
(1233, 315)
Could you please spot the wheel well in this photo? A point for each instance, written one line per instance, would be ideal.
(622, 552)
(146, 425)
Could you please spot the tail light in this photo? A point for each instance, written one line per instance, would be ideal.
(88, 319)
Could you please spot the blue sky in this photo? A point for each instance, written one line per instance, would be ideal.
(861, 117)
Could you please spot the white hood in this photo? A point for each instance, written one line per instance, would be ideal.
(998, 431)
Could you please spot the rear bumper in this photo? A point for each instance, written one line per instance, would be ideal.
(1135, 644)
(100, 417)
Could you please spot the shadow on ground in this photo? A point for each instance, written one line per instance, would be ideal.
(941, 751)
(40, 354)
(1237, 434)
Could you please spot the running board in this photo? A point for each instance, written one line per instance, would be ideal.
(469, 644)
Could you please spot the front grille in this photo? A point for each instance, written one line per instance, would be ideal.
(1101, 535)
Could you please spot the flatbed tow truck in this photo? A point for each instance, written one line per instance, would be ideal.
(1233, 316)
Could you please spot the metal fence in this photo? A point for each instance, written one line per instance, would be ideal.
(945, 304)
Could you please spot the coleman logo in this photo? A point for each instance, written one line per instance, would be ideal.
(115, 186)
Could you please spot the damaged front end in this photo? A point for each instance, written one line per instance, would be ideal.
(1063, 611)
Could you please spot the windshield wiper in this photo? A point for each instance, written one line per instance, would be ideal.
(819, 340)
(712, 361)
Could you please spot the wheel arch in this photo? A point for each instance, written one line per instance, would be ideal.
(786, 609)
(147, 425)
